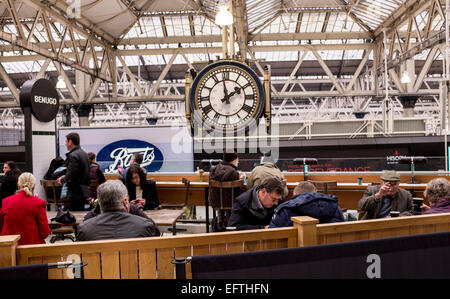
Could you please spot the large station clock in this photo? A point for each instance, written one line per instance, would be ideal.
(226, 95)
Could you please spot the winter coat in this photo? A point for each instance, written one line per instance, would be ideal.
(223, 172)
(25, 216)
(401, 201)
(442, 206)
(263, 171)
(9, 184)
(243, 217)
(148, 193)
(323, 207)
(95, 173)
(77, 178)
(116, 225)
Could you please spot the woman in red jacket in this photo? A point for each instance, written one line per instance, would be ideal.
(24, 214)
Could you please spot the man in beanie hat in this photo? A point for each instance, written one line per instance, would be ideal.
(225, 171)
(379, 201)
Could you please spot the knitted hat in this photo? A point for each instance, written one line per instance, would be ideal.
(228, 157)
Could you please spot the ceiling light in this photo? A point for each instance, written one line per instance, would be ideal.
(60, 84)
(405, 78)
(224, 16)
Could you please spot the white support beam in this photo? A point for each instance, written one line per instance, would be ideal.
(327, 71)
(69, 85)
(163, 73)
(294, 71)
(131, 75)
(425, 68)
(12, 87)
(358, 70)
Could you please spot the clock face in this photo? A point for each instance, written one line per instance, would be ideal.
(227, 95)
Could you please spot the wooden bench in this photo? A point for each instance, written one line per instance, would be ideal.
(151, 257)
(312, 233)
(145, 257)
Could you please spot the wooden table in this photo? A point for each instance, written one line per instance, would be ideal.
(163, 217)
(348, 193)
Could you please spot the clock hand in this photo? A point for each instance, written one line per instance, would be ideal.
(237, 90)
(226, 98)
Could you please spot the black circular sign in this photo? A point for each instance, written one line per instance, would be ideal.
(42, 97)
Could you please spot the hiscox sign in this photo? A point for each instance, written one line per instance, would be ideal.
(119, 153)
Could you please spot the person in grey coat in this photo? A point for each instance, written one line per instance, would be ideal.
(379, 201)
(115, 221)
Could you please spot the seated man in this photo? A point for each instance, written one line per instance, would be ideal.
(115, 221)
(307, 202)
(437, 193)
(265, 170)
(254, 208)
(379, 201)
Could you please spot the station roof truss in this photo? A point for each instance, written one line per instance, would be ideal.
(322, 53)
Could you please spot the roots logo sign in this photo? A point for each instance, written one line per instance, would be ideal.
(119, 153)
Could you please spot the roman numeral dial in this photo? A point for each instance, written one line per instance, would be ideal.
(227, 95)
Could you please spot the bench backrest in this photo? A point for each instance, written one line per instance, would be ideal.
(312, 233)
(150, 257)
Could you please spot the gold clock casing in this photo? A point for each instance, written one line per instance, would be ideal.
(226, 96)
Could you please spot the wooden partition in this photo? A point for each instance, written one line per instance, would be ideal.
(151, 257)
(312, 233)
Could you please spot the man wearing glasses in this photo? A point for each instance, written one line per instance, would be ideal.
(254, 208)
(379, 201)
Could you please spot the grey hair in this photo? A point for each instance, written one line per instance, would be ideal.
(437, 189)
(304, 186)
(111, 195)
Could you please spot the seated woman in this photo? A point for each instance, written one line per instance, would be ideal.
(141, 191)
(437, 193)
(24, 214)
(9, 185)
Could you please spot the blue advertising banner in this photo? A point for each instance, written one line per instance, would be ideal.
(119, 153)
(164, 148)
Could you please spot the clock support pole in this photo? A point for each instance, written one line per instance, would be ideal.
(188, 103)
(267, 112)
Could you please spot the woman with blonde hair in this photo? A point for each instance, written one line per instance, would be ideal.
(24, 214)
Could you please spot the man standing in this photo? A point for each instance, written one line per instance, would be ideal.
(115, 221)
(379, 201)
(254, 208)
(77, 173)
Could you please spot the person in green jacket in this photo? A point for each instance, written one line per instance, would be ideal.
(266, 169)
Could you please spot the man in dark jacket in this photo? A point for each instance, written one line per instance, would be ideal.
(254, 208)
(77, 173)
(115, 221)
(379, 201)
(225, 171)
(307, 202)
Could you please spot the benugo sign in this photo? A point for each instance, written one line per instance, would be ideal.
(119, 153)
(41, 96)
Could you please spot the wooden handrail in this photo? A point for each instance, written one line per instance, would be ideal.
(311, 233)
